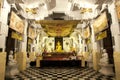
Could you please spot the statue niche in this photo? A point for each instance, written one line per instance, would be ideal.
(58, 47)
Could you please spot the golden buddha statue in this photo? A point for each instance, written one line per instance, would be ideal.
(58, 47)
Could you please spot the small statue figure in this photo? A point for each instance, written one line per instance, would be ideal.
(12, 68)
(11, 60)
(106, 68)
(104, 58)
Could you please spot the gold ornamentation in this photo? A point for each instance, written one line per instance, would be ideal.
(31, 10)
(84, 10)
(100, 23)
(58, 27)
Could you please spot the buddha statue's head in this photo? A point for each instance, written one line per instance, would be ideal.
(104, 50)
(11, 52)
(58, 43)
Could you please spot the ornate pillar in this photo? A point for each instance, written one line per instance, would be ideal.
(2, 65)
(115, 29)
(95, 51)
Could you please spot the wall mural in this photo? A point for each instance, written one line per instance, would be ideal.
(58, 28)
(50, 44)
(16, 23)
(31, 32)
(100, 23)
(86, 32)
(67, 44)
(16, 36)
(117, 5)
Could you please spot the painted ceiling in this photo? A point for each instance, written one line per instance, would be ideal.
(58, 28)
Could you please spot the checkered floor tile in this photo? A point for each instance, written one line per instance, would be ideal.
(64, 73)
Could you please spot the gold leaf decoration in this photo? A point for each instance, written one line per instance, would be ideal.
(31, 10)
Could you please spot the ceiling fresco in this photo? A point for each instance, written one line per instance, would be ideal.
(58, 28)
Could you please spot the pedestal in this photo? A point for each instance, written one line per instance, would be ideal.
(96, 58)
(32, 56)
(84, 58)
(38, 61)
(106, 69)
(2, 65)
(27, 63)
(83, 62)
(21, 60)
(117, 65)
(90, 64)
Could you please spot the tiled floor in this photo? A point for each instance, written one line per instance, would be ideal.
(64, 73)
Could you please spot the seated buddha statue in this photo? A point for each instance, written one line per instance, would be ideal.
(104, 58)
(12, 68)
(58, 47)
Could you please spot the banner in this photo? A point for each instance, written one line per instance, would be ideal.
(101, 35)
(30, 41)
(58, 28)
(17, 36)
